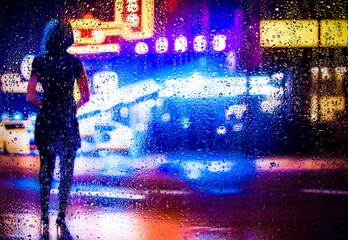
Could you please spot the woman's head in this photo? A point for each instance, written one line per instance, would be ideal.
(58, 36)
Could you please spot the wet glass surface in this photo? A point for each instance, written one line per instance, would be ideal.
(206, 120)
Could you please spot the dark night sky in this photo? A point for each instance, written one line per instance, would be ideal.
(21, 23)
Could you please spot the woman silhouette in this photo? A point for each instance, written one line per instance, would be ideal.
(56, 127)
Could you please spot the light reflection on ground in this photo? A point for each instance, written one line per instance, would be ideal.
(108, 224)
(102, 208)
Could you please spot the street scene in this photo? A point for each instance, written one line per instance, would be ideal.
(200, 120)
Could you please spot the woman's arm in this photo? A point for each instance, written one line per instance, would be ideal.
(31, 92)
(82, 84)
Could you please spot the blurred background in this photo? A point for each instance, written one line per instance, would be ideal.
(192, 96)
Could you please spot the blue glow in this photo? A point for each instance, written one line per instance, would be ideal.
(17, 116)
(27, 184)
(211, 171)
(5, 116)
(197, 86)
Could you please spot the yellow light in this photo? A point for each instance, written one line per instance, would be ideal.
(90, 49)
(118, 27)
(289, 33)
(12, 83)
(76, 93)
(329, 105)
(334, 33)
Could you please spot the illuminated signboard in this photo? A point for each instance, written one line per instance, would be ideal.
(12, 83)
(334, 33)
(133, 19)
(327, 100)
(304, 33)
(289, 33)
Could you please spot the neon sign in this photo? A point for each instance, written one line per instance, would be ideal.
(304, 33)
(133, 20)
(12, 83)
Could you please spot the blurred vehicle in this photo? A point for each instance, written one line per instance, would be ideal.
(107, 139)
(219, 113)
(106, 124)
(14, 137)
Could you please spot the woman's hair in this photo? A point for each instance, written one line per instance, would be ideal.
(58, 36)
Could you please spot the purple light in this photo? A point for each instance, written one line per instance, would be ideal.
(200, 43)
(219, 42)
(180, 44)
(231, 61)
(141, 48)
(161, 45)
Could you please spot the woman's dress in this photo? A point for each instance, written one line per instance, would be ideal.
(56, 127)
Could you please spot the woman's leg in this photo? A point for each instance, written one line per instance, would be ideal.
(47, 160)
(67, 160)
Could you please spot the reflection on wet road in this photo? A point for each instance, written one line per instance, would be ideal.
(168, 197)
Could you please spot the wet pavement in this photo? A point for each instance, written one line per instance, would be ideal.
(169, 196)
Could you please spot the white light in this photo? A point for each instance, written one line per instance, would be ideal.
(90, 49)
(32, 117)
(262, 80)
(161, 45)
(105, 118)
(278, 76)
(180, 44)
(125, 94)
(166, 117)
(266, 90)
(185, 122)
(122, 137)
(26, 66)
(141, 127)
(219, 166)
(141, 112)
(199, 86)
(324, 69)
(238, 127)
(200, 44)
(18, 116)
(124, 112)
(269, 106)
(132, 7)
(133, 20)
(231, 61)
(98, 34)
(193, 169)
(5, 116)
(219, 42)
(221, 130)
(236, 110)
(141, 48)
(341, 69)
(105, 82)
(159, 102)
(314, 70)
(105, 222)
(77, 34)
